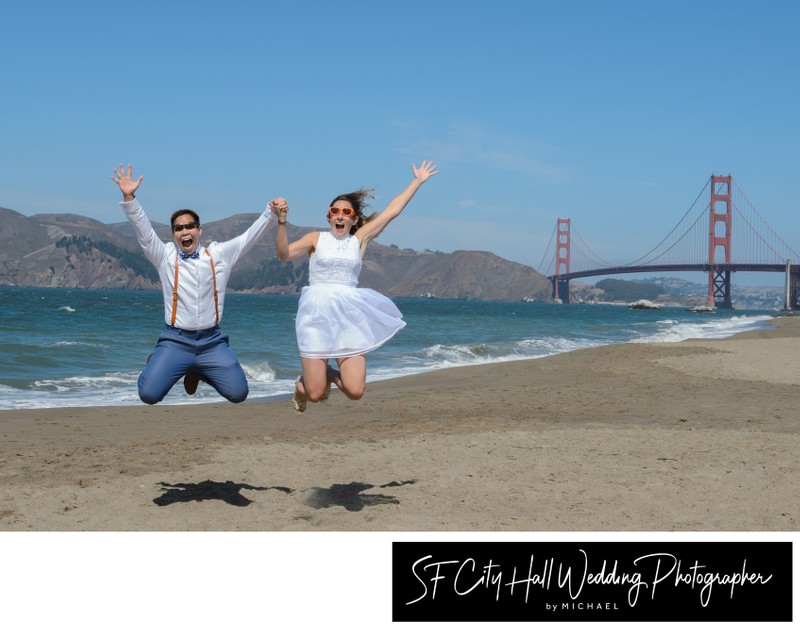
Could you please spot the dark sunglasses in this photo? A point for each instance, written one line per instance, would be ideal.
(185, 226)
(345, 211)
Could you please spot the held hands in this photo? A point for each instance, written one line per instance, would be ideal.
(126, 183)
(280, 208)
(426, 170)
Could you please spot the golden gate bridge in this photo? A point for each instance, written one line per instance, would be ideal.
(720, 233)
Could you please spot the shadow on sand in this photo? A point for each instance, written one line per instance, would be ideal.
(208, 490)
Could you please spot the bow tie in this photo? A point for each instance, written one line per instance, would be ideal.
(184, 255)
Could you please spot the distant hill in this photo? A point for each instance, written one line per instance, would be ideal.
(674, 292)
(628, 291)
(71, 251)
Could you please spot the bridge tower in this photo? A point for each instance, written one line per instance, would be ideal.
(719, 236)
(561, 287)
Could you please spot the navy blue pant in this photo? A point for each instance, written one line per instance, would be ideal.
(205, 352)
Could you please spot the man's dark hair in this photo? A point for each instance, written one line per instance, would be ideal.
(178, 213)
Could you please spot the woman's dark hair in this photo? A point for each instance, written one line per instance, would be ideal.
(358, 199)
(178, 213)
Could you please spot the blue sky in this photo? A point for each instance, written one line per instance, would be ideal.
(612, 113)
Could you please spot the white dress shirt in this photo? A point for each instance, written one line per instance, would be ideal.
(196, 309)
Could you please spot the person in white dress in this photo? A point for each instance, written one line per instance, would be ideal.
(336, 319)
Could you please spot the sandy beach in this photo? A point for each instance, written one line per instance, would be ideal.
(700, 435)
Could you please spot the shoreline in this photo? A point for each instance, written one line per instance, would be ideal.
(259, 399)
(697, 435)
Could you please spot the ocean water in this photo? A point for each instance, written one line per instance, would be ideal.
(73, 347)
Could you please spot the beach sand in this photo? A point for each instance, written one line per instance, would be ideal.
(700, 435)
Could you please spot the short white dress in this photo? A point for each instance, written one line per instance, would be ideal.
(335, 318)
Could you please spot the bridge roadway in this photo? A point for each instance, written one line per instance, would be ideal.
(717, 268)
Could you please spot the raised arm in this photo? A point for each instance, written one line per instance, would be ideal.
(372, 229)
(285, 250)
(233, 249)
(154, 248)
(127, 185)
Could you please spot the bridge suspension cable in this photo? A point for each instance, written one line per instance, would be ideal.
(780, 250)
(584, 254)
(583, 257)
(548, 271)
(686, 239)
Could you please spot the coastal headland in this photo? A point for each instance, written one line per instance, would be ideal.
(700, 435)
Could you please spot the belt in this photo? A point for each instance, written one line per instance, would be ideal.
(192, 333)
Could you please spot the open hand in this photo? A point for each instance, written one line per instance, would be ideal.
(426, 169)
(125, 181)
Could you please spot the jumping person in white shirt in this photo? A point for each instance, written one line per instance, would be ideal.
(193, 280)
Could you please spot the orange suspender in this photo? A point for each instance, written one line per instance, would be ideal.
(214, 278)
(175, 290)
(175, 294)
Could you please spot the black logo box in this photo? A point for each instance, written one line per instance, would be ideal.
(595, 581)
